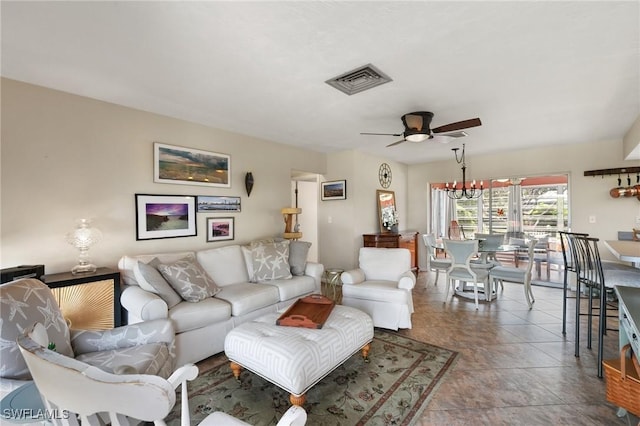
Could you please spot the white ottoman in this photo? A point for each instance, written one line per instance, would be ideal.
(296, 358)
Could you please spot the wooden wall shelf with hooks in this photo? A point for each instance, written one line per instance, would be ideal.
(609, 172)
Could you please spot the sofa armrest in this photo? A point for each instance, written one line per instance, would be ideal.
(407, 280)
(142, 305)
(315, 270)
(156, 331)
(354, 276)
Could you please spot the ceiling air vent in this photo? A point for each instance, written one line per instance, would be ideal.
(360, 79)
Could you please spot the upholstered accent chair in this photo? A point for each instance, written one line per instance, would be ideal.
(147, 346)
(97, 397)
(381, 286)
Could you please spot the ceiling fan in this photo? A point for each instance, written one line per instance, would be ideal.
(416, 128)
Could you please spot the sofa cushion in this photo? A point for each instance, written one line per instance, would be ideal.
(293, 287)
(298, 252)
(225, 265)
(150, 358)
(378, 290)
(248, 297)
(271, 260)
(248, 260)
(188, 278)
(150, 279)
(190, 316)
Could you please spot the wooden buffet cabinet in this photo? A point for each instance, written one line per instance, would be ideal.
(403, 239)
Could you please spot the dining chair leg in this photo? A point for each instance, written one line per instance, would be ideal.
(446, 287)
(590, 318)
(528, 293)
(602, 328)
(564, 303)
(475, 293)
(577, 339)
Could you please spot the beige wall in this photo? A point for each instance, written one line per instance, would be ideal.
(589, 196)
(358, 214)
(66, 157)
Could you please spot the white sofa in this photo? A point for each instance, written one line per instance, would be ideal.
(381, 286)
(201, 326)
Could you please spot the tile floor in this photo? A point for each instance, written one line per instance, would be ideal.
(515, 367)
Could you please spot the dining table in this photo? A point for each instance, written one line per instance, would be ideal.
(484, 261)
(625, 250)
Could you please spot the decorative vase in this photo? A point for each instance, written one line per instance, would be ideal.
(394, 228)
(248, 183)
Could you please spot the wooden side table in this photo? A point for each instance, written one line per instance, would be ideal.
(88, 301)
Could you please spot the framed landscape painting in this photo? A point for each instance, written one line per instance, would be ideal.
(219, 229)
(165, 216)
(334, 190)
(208, 204)
(187, 166)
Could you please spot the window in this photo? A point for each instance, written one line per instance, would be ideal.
(531, 205)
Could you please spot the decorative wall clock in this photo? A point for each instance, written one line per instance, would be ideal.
(384, 174)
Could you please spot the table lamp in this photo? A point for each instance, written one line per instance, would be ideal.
(82, 238)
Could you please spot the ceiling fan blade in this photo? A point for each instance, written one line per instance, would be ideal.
(382, 134)
(465, 124)
(396, 143)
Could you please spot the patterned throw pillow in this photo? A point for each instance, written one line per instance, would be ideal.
(298, 252)
(270, 261)
(150, 279)
(188, 278)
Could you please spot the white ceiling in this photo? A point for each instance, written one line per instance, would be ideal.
(536, 73)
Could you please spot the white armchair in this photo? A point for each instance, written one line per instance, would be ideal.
(381, 286)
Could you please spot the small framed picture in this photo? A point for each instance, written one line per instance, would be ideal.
(334, 190)
(219, 229)
(187, 166)
(207, 204)
(165, 216)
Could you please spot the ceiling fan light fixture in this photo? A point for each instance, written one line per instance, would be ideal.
(417, 137)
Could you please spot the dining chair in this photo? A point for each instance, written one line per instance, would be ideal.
(461, 270)
(488, 241)
(498, 274)
(433, 262)
(569, 258)
(456, 232)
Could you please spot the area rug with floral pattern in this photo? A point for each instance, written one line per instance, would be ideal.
(391, 389)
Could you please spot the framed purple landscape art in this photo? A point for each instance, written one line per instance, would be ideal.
(165, 216)
(188, 166)
(219, 229)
